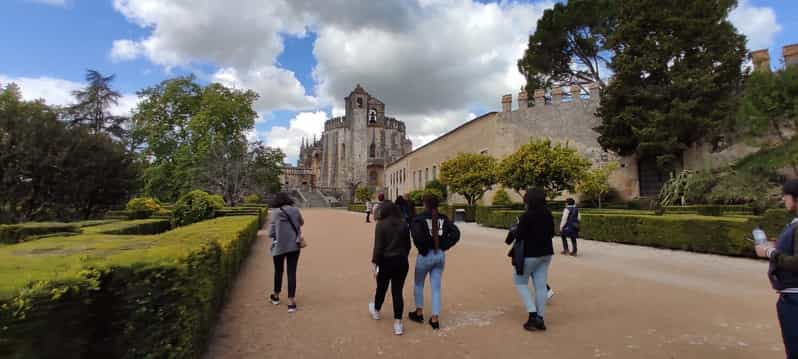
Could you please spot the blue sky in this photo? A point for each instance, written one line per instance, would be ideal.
(303, 56)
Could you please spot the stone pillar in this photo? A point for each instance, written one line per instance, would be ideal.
(556, 95)
(507, 103)
(790, 53)
(523, 100)
(540, 97)
(761, 60)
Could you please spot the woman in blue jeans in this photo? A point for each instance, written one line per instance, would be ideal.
(427, 230)
(535, 229)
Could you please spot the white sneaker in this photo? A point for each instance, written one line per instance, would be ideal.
(374, 313)
(398, 328)
(550, 294)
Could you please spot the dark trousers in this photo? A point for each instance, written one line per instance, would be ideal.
(787, 309)
(279, 261)
(565, 243)
(368, 214)
(393, 270)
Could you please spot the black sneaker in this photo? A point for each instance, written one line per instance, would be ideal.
(415, 317)
(534, 324)
(434, 325)
(275, 299)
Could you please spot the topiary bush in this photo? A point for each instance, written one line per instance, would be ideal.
(501, 198)
(142, 207)
(195, 206)
(16, 233)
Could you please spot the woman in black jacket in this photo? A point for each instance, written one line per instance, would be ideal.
(532, 255)
(391, 248)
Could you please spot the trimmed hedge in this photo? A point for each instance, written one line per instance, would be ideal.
(100, 296)
(136, 227)
(711, 210)
(717, 235)
(356, 207)
(16, 233)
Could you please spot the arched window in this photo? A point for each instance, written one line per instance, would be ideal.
(373, 150)
(372, 116)
(359, 102)
(343, 151)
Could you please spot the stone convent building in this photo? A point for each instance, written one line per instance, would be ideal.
(353, 150)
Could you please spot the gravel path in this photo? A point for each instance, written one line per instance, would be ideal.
(613, 301)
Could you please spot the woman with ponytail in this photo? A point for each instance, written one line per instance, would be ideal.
(433, 233)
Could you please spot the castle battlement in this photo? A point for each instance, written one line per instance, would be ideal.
(558, 96)
(335, 122)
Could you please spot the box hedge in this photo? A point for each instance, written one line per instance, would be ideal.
(15, 233)
(717, 235)
(101, 296)
(136, 227)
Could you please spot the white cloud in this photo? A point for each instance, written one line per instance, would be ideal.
(758, 24)
(125, 50)
(58, 92)
(428, 60)
(50, 2)
(289, 139)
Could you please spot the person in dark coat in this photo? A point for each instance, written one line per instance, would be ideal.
(532, 252)
(569, 226)
(389, 258)
(783, 271)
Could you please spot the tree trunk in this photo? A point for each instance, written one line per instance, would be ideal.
(599, 201)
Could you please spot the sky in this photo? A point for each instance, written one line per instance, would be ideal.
(434, 63)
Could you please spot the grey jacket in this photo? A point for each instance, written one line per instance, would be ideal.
(284, 238)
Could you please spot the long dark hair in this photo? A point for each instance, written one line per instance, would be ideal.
(281, 199)
(391, 211)
(431, 204)
(535, 199)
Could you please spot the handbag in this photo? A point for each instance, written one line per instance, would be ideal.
(300, 239)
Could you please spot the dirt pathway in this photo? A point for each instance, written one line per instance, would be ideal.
(614, 301)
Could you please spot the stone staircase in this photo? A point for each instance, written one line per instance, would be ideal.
(314, 199)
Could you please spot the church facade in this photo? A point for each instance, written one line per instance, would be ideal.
(354, 149)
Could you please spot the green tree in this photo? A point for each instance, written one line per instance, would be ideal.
(94, 104)
(363, 194)
(769, 105)
(52, 171)
(440, 187)
(595, 182)
(676, 67)
(162, 120)
(266, 165)
(553, 168)
(469, 174)
(569, 46)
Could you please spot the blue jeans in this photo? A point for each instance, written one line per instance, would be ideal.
(787, 309)
(433, 264)
(538, 269)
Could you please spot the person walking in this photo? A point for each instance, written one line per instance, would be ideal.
(569, 226)
(433, 234)
(531, 255)
(389, 260)
(380, 201)
(285, 232)
(783, 271)
(369, 207)
(406, 208)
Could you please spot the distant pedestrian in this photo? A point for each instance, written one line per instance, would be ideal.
(433, 234)
(285, 232)
(531, 255)
(389, 258)
(369, 207)
(783, 271)
(569, 225)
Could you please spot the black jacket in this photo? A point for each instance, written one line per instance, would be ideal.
(535, 228)
(391, 238)
(422, 232)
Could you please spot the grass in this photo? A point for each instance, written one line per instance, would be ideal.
(63, 258)
(772, 158)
